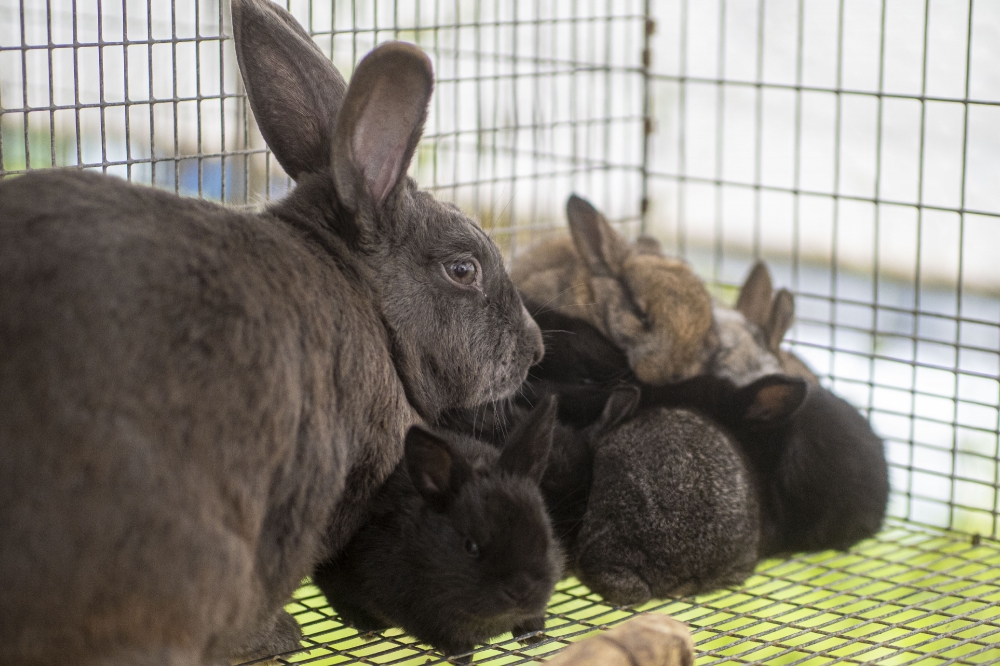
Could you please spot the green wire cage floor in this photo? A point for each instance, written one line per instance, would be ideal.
(910, 596)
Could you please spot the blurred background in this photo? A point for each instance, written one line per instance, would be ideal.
(854, 145)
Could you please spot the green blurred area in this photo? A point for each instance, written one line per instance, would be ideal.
(909, 596)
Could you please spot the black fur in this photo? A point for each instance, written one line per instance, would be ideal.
(819, 469)
(411, 565)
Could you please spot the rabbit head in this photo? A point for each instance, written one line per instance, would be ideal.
(486, 538)
(750, 335)
(653, 307)
(458, 333)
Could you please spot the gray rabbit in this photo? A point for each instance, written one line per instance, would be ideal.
(672, 510)
(196, 403)
(750, 334)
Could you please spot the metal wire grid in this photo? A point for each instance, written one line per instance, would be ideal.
(535, 100)
(531, 97)
(910, 596)
(847, 143)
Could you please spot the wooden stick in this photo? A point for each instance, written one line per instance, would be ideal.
(648, 640)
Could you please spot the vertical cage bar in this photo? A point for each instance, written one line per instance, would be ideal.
(648, 28)
(959, 291)
(720, 115)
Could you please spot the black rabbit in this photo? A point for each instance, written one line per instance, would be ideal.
(580, 365)
(458, 548)
(196, 402)
(568, 477)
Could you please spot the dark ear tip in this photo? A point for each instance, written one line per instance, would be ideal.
(576, 204)
(259, 7)
(760, 267)
(401, 56)
(784, 295)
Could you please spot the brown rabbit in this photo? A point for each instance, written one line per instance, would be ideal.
(653, 307)
(196, 403)
(750, 335)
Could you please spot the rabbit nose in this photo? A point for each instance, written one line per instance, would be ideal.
(535, 336)
(520, 587)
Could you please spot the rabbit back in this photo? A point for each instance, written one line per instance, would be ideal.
(833, 480)
(115, 301)
(671, 511)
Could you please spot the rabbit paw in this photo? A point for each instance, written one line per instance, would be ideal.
(618, 585)
(281, 634)
(530, 631)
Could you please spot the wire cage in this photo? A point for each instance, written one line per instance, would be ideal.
(854, 145)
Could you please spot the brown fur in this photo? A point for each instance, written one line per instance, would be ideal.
(653, 307)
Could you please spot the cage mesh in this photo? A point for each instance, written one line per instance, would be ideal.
(851, 144)
(909, 596)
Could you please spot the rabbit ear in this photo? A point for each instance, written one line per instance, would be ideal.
(436, 471)
(526, 453)
(294, 90)
(621, 404)
(648, 245)
(380, 123)
(754, 302)
(771, 399)
(602, 248)
(780, 319)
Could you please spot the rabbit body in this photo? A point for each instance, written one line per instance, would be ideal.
(828, 485)
(458, 548)
(197, 403)
(150, 462)
(652, 307)
(672, 510)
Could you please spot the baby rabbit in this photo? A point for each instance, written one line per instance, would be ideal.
(569, 474)
(750, 335)
(580, 365)
(672, 510)
(198, 402)
(458, 548)
(654, 308)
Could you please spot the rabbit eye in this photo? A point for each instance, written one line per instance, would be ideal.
(463, 272)
(471, 548)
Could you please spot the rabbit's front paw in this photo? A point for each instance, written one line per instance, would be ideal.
(530, 631)
(281, 634)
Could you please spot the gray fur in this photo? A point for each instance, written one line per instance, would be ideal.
(672, 510)
(750, 335)
(197, 402)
